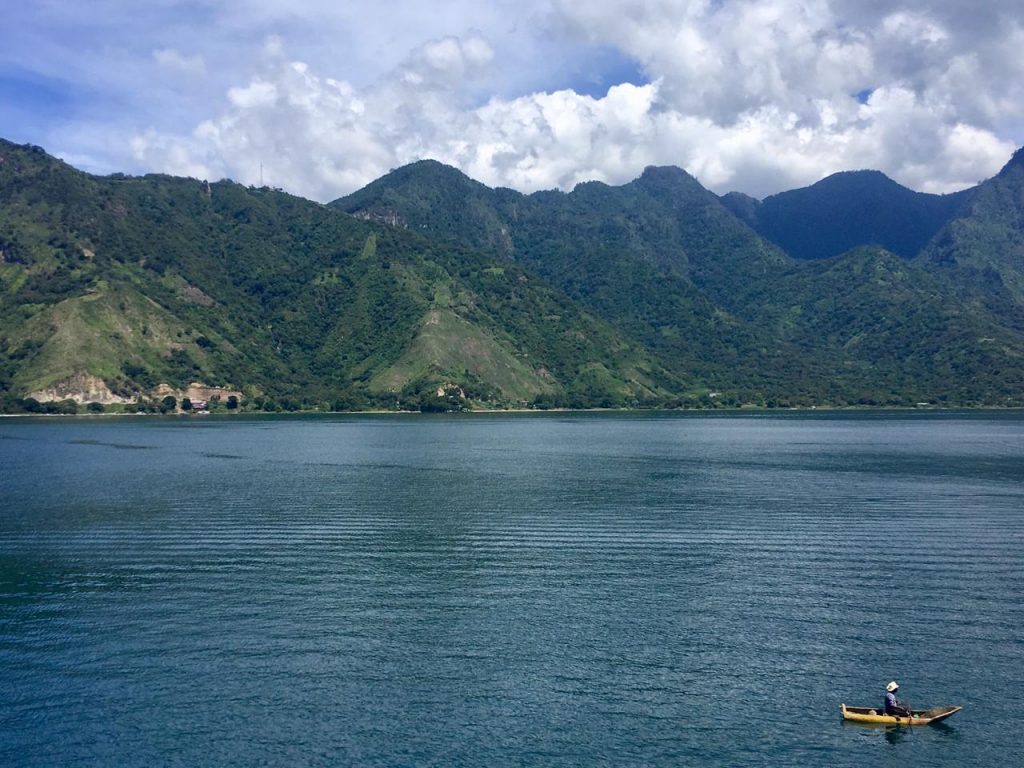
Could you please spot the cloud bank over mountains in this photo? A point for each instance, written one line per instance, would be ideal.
(753, 95)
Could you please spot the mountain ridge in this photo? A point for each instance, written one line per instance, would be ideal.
(429, 290)
(272, 295)
(846, 210)
(687, 243)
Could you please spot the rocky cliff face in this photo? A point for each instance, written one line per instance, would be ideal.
(85, 388)
(82, 388)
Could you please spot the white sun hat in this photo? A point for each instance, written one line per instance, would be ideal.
(892, 686)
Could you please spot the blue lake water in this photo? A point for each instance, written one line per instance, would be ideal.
(510, 590)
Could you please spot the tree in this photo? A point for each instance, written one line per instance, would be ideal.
(232, 403)
(186, 404)
(31, 405)
(169, 403)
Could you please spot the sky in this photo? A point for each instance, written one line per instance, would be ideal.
(320, 97)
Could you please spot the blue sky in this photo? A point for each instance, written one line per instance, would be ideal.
(749, 95)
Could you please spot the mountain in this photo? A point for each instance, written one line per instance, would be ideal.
(429, 290)
(894, 331)
(120, 289)
(847, 210)
(984, 245)
(656, 257)
(677, 269)
(664, 219)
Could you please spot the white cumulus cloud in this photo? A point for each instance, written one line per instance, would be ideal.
(754, 95)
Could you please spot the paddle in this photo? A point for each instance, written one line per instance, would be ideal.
(910, 715)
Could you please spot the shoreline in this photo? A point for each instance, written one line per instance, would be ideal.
(562, 411)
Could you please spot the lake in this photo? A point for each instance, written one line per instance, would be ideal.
(510, 590)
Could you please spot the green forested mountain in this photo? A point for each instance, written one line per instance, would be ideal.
(668, 263)
(125, 284)
(657, 257)
(983, 249)
(429, 290)
(847, 210)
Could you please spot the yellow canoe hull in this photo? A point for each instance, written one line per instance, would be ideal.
(920, 716)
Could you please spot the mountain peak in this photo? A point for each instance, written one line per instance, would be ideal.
(430, 169)
(743, 206)
(24, 159)
(1016, 161)
(661, 179)
(853, 208)
(860, 181)
(665, 173)
(425, 184)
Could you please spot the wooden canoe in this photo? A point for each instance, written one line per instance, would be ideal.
(877, 715)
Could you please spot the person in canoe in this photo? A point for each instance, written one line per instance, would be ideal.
(894, 706)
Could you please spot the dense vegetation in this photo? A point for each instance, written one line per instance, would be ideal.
(683, 273)
(429, 291)
(984, 248)
(146, 281)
